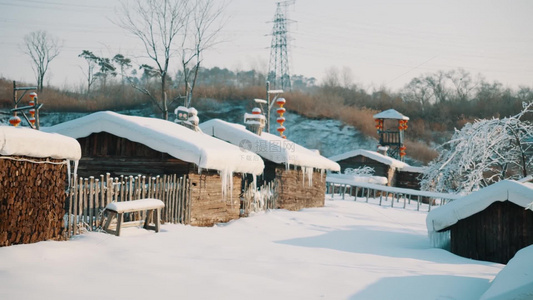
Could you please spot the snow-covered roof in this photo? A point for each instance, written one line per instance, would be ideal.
(413, 169)
(507, 190)
(34, 143)
(355, 179)
(373, 155)
(268, 146)
(390, 114)
(515, 281)
(168, 137)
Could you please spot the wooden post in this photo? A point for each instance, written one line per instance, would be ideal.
(367, 194)
(418, 202)
(179, 194)
(404, 200)
(85, 202)
(173, 195)
(380, 198)
(149, 188)
(91, 205)
(102, 192)
(162, 188)
(143, 187)
(122, 188)
(392, 200)
(356, 192)
(98, 201)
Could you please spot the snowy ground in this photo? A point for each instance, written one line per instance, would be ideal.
(346, 250)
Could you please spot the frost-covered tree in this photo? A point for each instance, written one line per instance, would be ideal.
(362, 171)
(482, 153)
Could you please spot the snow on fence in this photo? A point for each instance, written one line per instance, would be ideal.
(367, 190)
(88, 197)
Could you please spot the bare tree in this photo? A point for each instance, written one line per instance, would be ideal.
(92, 62)
(156, 23)
(202, 31)
(42, 48)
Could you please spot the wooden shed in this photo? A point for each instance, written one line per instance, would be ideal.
(34, 168)
(131, 145)
(398, 173)
(297, 173)
(491, 224)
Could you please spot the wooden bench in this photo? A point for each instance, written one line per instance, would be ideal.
(152, 207)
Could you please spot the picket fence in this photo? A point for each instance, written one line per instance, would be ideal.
(88, 197)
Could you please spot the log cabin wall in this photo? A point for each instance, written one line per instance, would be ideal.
(32, 199)
(494, 234)
(106, 153)
(408, 180)
(208, 204)
(293, 191)
(380, 169)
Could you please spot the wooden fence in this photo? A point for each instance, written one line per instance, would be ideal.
(87, 198)
(369, 190)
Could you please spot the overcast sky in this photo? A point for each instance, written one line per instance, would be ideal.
(382, 42)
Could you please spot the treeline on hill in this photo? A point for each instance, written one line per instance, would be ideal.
(436, 102)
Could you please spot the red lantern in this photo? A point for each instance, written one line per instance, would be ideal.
(256, 111)
(280, 119)
(402, 151)
(14, 121)
(32, 121)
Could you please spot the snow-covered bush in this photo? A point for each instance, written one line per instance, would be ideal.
(482, 153)
(362, 171)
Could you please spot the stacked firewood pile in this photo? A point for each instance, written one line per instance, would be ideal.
(32, 197)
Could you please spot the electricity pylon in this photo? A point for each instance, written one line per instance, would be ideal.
(278, 67)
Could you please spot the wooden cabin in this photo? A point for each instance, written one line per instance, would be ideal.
(33, 167)
(297, 173)
(131, 145)
(398, 173)
(491, 224)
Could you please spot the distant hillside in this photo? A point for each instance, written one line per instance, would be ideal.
(436, 104)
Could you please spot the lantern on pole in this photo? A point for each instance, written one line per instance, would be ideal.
(280, 120)
(32, 110)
